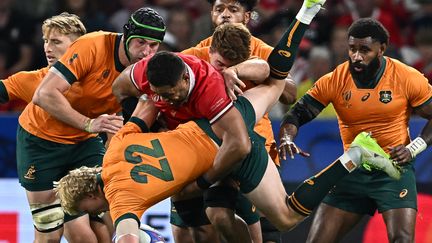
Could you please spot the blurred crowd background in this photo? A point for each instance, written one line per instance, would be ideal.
(188, 21)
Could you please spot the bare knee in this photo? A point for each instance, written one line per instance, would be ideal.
(51, 237)
(80, 236)
(401, 236)
(204, 233)
(287, 221)
(78, 230)
(286, 224)
(220, 217)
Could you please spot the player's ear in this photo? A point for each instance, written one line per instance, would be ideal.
(383, 48)
(247, 16)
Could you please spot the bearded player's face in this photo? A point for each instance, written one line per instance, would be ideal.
(364, 58)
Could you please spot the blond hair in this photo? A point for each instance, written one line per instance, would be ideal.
(65, 23)
(74, 186)
(232, 42)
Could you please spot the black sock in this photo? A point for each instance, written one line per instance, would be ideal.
(312, 191)
(283, 55)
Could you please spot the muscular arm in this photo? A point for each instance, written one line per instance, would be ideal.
(401, 153)
(49, 96)
(301, 113)
(426, 112)
(255, 70)
(123, 87)
(235, 146)
(146, 111)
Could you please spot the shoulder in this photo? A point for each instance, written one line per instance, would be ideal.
(205, 42)
(402, 71)
(200, 52)
(30, 75)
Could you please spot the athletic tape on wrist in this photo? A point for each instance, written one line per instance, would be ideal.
(87, 125)
(416, 146)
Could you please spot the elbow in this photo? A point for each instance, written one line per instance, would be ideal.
(117, 92)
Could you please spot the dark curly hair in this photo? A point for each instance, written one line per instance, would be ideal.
(165, 69)
(248, 5)
(366, 27)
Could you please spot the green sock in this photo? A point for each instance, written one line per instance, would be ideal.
(312, 191)
(283, 55)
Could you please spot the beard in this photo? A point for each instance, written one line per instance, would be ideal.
(367, 73)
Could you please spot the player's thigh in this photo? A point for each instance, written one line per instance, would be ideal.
(47, 215)
(391, 194)
(248, 212)
(400, 224)
(270, 197)
(341, 222)
(40, 162)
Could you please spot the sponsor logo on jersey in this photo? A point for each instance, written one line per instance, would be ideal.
(385, 96)
(365, 97)
(74, 56)
(105, 75)
(346, 95)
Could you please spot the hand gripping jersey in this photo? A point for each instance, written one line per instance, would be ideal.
(384, 109)
(207, 97)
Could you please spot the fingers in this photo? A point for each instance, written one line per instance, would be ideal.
(304, 154)
(107, 123)
(238, 90)
(240, 83)
(231, 94)
(400, 154)
(282, 152)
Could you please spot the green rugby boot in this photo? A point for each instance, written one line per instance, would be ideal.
(311, 3)
(373, 156)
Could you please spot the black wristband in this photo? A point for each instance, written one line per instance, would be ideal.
(140, 123)
(203, 183)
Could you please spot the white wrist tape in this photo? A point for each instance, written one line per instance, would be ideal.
(416, 146)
